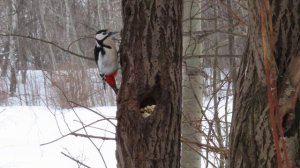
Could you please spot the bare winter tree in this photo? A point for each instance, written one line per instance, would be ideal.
(151, 51)
(269, 66)
(192, 86)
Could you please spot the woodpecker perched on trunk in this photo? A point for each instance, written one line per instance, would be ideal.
(106, 57)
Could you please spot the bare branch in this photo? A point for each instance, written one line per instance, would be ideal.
(75, 160)
(63, 136)
(211, 56)
(108, 119)
(84, 37)
(92, 136)
(48, 42)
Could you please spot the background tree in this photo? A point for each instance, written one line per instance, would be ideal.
(192, 86)
(67, 24)
(275, 43)
(214, 36)
(151, 51)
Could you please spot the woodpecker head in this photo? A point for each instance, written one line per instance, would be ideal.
(102, 35)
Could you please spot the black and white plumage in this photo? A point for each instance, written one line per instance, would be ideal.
(106, 57)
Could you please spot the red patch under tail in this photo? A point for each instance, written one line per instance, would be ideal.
(111, 81)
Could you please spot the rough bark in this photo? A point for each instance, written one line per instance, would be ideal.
(251, 138)
(151, 55)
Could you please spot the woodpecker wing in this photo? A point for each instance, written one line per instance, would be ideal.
(96, 53)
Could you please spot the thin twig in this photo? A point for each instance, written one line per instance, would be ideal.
(75, 160)
(108, 119)
(84, 37)
(63, 136)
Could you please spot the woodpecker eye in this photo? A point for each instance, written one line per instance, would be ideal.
(104, 33)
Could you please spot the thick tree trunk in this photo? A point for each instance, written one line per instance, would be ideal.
(252, 143)
(151, 55)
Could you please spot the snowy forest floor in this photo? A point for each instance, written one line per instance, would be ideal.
(24, 129)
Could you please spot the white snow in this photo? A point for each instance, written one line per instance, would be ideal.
(24, 128)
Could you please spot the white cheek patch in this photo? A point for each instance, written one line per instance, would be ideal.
(99, 36)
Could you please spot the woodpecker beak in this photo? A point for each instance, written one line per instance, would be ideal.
(112, 33)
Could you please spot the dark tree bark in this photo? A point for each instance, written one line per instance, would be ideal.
(252, 143)
(151, 55)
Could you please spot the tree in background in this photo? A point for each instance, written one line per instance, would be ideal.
(151, 51)
(214, 35)
(265, 126)
(192, 86)
(69, 27)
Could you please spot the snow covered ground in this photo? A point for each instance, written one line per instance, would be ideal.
(23, 129)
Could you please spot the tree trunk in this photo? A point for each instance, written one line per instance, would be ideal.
(45, 35)
(252, 143)
(192, 87)
(4, 65)
(12, 50)
(231, 49)
(151, 55)
(100, 15)
(71, 33)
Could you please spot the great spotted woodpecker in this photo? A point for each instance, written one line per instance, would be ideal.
(106, 57)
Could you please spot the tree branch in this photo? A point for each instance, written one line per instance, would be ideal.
(70, 133)
(77, 161)
(211, 55)
(48, 42)
(92, 136)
